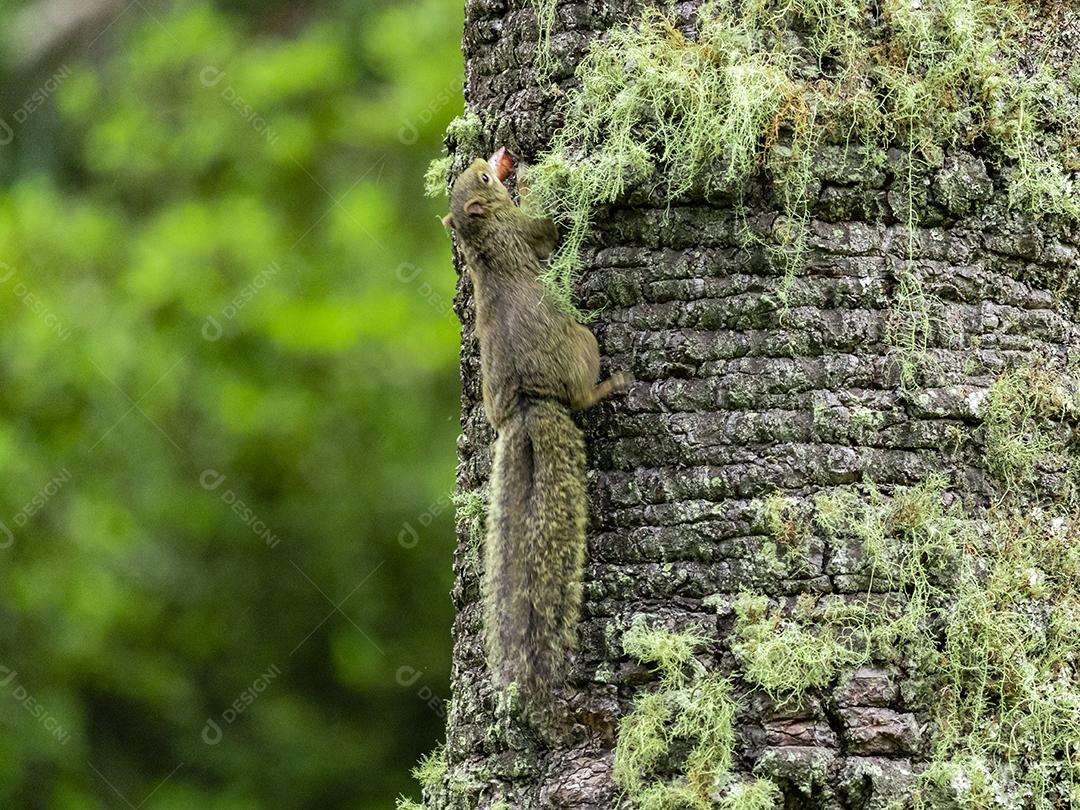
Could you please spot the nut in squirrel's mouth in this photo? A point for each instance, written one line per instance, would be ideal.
(501, 163)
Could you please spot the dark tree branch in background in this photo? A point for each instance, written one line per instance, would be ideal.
(48, 25)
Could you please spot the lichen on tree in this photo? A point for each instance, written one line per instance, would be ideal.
(762, 84)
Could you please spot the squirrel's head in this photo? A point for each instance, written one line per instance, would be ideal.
(478, 191)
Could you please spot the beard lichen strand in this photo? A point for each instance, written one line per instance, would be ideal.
(464, 140)
(692, 711)
(545, 24)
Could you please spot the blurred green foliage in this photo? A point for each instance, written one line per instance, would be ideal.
(228, 403)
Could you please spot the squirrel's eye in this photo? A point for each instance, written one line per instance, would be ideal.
(484, 176)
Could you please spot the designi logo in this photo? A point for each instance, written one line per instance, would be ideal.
(210, 76)
(212, 329)
(212, 733)
(210, 479)
(7, 134)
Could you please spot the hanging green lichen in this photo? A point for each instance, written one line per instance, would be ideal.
(1024, 424)
(989, 626)
(692, 708)
(788, 657)
(444, 785)
(758, 794)
(429, 772)
(463, 140)
(763, 83)
(779, 514)
(545, 24)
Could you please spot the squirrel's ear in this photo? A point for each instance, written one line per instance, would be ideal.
(448, 221)
(476, 207)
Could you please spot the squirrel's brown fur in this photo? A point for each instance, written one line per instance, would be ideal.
(536, 365)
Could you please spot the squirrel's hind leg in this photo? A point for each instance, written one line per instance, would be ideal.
(615, 384)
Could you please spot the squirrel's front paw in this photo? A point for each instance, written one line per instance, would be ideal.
(621, 380)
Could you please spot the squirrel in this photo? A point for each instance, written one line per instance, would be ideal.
(537, 365)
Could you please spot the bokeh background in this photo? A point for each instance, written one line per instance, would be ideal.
(228, 401)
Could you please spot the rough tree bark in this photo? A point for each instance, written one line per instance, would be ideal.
(735, 400)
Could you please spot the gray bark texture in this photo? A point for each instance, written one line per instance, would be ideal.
(737, 398)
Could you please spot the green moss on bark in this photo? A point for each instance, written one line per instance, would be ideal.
(470, 509)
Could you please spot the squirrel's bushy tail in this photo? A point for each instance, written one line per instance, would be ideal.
(535, 546)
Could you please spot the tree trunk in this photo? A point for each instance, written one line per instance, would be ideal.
(738, 398)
